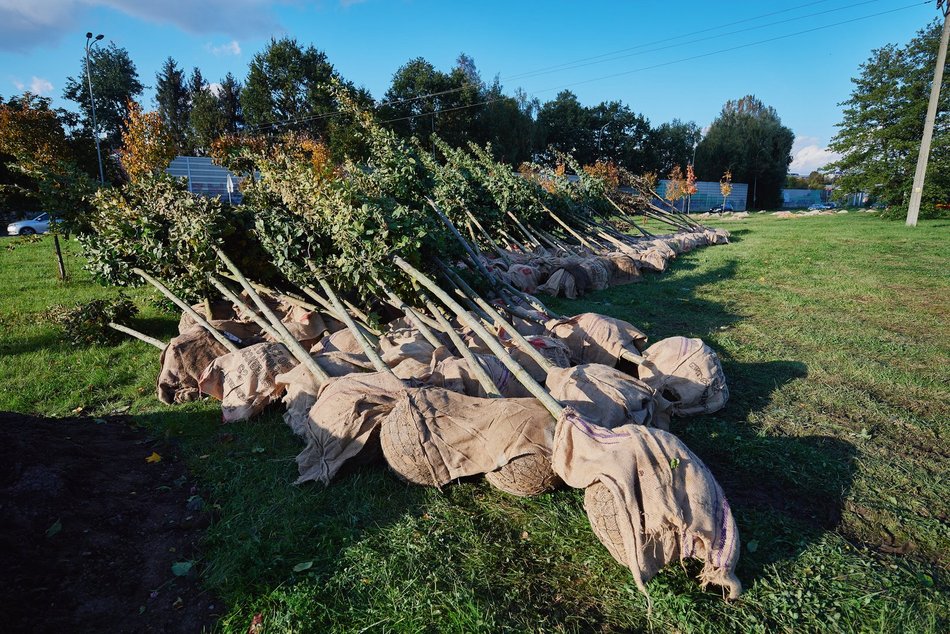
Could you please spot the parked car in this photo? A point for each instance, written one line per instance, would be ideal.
(721, 208)
(830, 205)
(816, 207)
(40, 224)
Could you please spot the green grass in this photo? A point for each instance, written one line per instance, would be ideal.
(833, 451)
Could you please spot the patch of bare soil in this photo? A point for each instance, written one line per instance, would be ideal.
(93, 534)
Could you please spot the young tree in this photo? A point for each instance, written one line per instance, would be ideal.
(675, 186)
(147, 145)
(883, 122)
(174, 102)
(115, 83)
(748, 138)
(725, 187)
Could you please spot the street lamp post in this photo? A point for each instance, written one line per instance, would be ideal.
(689, 200)
(92, 103)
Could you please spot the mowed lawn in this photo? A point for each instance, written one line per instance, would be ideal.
(833, 452)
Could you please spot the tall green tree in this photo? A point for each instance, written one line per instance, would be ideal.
(883, 121)
(287, 87)
(422, 100)
(620, 135)
(230, 96)
(207, 121)
(672, 144)
(115, 82)
(748, 139)
(565, 125)
(507, 123)
(174, 103)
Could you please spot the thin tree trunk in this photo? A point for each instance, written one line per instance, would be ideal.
(201, 321)
(138, 335)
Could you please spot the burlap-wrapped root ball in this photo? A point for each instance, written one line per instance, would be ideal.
(399, 438)
(527, 475)
(602, 511)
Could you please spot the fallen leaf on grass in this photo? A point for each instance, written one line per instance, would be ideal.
(153, 458)
(752, 546)
(257, 624)
(55, 528)
(305, 565)
(182, 568)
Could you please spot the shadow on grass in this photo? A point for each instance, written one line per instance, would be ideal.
(785, 491)
(25, 345)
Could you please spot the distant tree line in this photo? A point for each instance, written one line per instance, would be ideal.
(286, 89)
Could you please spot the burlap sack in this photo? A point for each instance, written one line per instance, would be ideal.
(594, 338)
(651, 259)
(404, 343)
(220, 310)
(300, 388)
(339, 341)
(687, 373)
(183, 360)
(305, 326)
(625, 269)
(523, 277)
(551, 348)
(608, 397)
(598, 272)
(661, 502)
(245, 381)
(343, 424)
(455, 374)
(433, 436)
(571, 280)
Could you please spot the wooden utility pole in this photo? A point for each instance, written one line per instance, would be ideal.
(918, 189)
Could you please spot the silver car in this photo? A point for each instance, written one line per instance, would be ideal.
(40, 224)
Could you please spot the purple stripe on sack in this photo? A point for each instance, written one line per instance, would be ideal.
(725, 516)
(594, 431)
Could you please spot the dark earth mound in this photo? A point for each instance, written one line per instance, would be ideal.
(90, 530)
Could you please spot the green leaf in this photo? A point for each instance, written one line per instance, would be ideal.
(54, 529)
(304, 565)
(674, 462)
(752, 546)
(182, 568)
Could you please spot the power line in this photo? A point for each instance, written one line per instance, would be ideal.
(315, 117)
(568, 65)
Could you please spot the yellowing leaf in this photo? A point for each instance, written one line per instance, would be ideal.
(153, 458)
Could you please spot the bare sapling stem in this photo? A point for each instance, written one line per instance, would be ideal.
(494, 245)
(464, 351)
(253, 314)
(138, 335)
(567, 228)
(368, 349)
(465, 245)
(627, 218)
(293, 346)
(521, 247)
(414, 318)
(191, 312)
(331, 310)
(502, 323)
(536, 389)
(524, 229)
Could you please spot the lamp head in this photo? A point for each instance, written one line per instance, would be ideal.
(88, 34)
(99, 37)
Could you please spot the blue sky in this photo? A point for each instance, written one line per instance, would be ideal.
(665, 59)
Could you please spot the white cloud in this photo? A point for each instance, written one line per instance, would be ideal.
(40, 86)
(231, 48)
(809, 154)
(18, 84)
(215, 88)
(41, 23)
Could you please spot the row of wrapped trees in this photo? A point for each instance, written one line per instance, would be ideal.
(389, 303)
